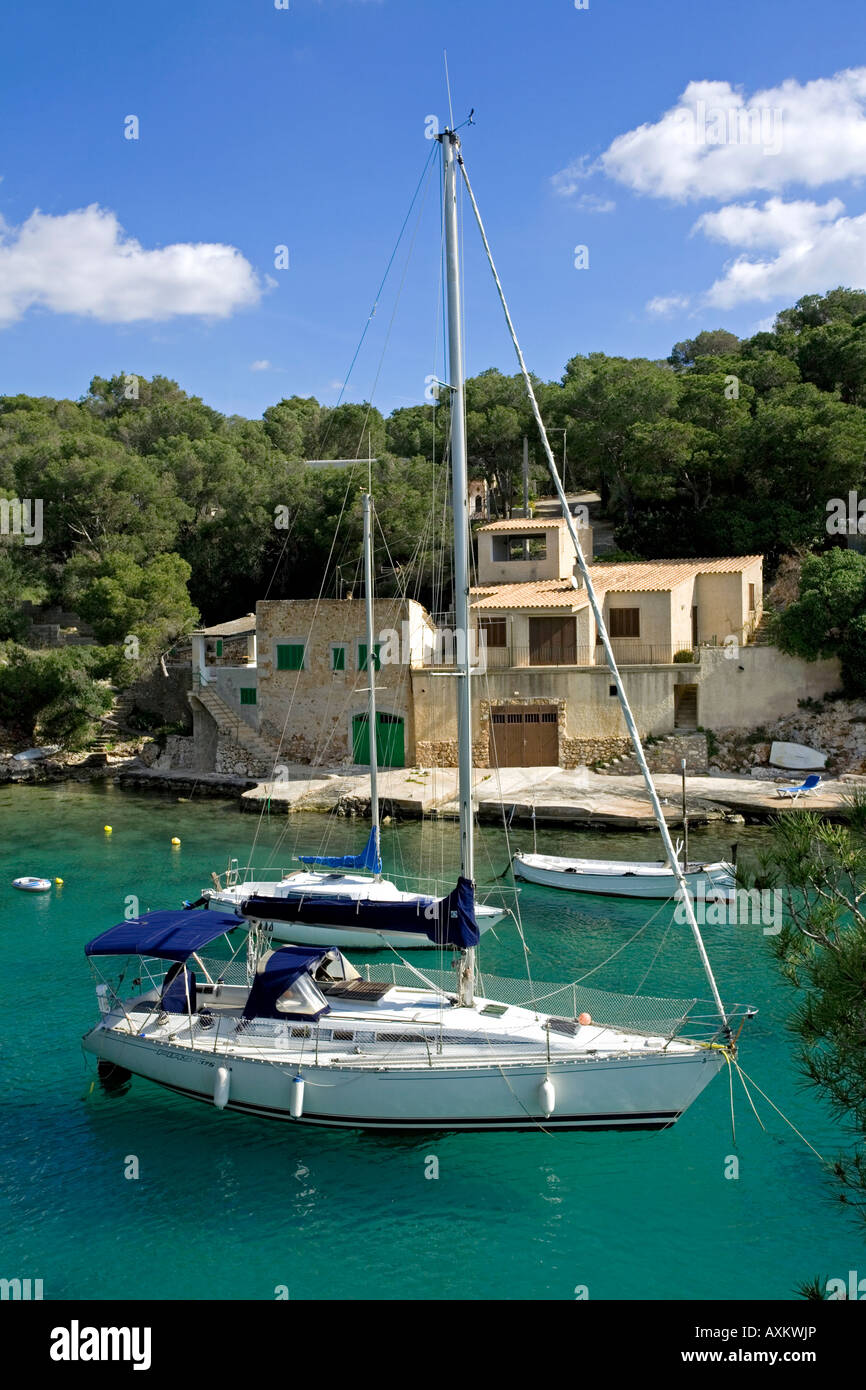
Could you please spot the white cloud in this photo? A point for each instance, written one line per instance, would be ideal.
(774, 225)
(262, 365)
(718, 143)
(831, 253)
(590, 202)
(665, 305)
(568, 180)
(84, 263)
(811, 248)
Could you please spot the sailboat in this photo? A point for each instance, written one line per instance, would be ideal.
(344, 901)
(300, 1034)
(625, 878)
(631, 878)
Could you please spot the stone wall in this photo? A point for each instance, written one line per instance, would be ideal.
(232, 758)
(166, 697)
(176, 754)
(583, 752)
(665, 756)
(309, 713)
(758, 685)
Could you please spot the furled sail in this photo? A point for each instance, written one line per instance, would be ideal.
(369, 858)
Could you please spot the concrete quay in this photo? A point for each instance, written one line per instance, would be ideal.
(558, 796)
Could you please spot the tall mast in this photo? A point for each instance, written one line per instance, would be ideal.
(672, 858)
(460, 509)
(371, 671)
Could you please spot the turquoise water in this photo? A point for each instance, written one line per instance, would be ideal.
(231, 1207)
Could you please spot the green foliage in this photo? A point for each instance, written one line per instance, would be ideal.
(715, 343)
(684, 656)
(13, 624)
(53, 696)
(156, 505)
(821, 950)
(828, 618)
(121, 599)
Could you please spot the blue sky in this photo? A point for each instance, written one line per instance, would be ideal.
(304, 127)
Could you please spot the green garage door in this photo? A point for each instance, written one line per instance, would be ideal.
(390, 745)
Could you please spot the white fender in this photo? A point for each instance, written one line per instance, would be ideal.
(221, 1085)
(547, 1096)
(296, 1100)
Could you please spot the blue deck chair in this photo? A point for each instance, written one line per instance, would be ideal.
(804, 788)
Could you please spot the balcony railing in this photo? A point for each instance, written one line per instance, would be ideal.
(628, 652)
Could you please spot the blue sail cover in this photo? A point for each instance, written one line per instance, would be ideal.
(168, 935)
(448, 921)
(275, 974)
(455, 920)
(369, 859)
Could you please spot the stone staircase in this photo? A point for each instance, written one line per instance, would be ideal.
(663, 755)
(761, 636)
(113, 723)
(686, 717)
(230, 725)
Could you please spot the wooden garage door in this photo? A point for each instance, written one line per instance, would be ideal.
(524, 736)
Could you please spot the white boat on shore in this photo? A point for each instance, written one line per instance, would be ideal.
(624, 878)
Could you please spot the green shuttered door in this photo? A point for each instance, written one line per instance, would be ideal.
(390, 745)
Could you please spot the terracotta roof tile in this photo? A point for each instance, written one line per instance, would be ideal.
(638, 576)
(518, 524)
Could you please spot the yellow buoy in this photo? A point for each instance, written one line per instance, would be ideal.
(59, 882)
(107, 829)
(175, 840)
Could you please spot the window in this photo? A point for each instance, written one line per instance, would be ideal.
(624, 622)
(751, 598)
(611, 690)
(338, 657)
(290, 656)
(362, 656)
(493, 630)
(507, 548)
(248, 694)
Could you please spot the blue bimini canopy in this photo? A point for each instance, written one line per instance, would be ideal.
(168, 935)
(369, 859)
(277, 972)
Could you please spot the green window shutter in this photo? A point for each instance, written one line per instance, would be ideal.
(362, 656)
(248, 694)
(290, 656)
(338, 658)
(219, 646)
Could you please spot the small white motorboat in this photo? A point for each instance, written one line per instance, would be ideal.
(624, 878)
(32, 885)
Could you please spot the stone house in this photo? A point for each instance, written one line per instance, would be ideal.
(295, 688)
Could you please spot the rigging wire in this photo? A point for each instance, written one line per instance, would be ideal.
(423, 181)
(372, 312)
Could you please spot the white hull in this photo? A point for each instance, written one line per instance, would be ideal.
(307, 887)
(621, 878)
(602, 1079)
